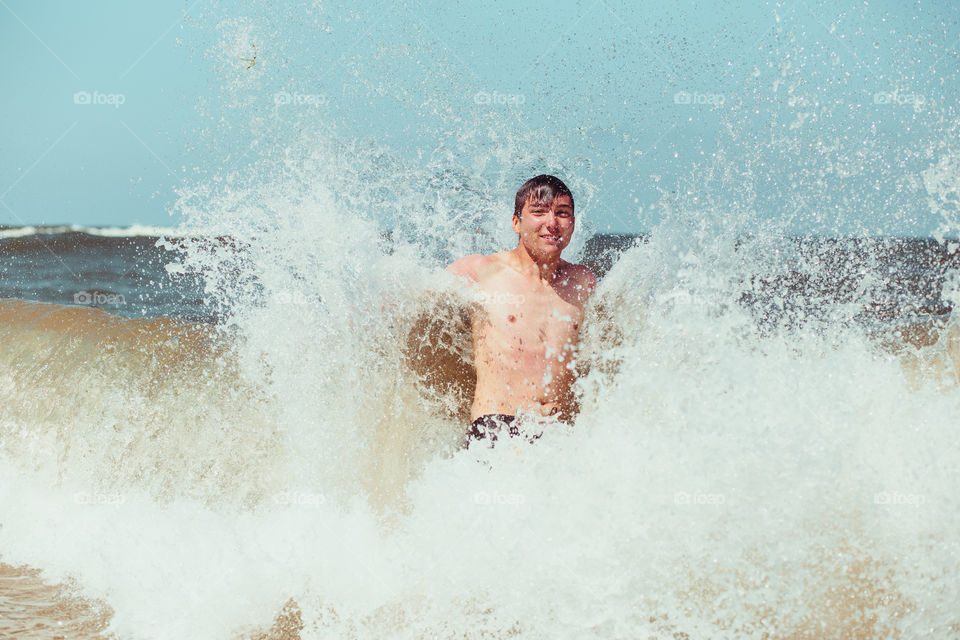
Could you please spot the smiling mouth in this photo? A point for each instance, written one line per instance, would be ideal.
(551, 238)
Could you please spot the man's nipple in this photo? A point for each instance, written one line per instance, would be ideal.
(511, 318)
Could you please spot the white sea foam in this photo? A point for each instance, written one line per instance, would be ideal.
(131, 231)
(17, 232)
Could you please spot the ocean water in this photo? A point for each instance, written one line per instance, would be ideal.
(252, 425)
(751, 458)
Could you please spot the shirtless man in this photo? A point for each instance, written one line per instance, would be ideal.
(528, 313)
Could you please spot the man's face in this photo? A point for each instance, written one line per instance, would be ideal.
(545, 229)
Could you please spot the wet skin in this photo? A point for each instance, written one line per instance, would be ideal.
(527, 311)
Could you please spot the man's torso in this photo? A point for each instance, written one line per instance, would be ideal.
(525, 338)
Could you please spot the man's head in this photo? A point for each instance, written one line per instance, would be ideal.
(543, 216)
(542, 189)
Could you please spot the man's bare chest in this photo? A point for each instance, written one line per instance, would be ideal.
(526, 312)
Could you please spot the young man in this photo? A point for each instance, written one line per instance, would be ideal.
(527, 318)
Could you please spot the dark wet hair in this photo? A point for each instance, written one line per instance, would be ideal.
(542, 188)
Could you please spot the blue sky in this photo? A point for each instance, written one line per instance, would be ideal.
(824, 107)
(113, 160)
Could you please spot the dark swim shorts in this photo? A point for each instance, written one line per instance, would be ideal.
(492, 425)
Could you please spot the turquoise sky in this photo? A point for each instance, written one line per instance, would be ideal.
(110, 163)
(825, 109)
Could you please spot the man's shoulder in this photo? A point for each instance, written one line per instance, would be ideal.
(581, 274)
(476, 266)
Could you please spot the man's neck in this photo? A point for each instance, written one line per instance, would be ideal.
(538, 267)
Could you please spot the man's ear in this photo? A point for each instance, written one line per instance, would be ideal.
(516, 223)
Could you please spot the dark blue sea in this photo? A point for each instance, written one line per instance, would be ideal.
(132, 272)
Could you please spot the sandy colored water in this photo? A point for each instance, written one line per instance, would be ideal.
(32, 608)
